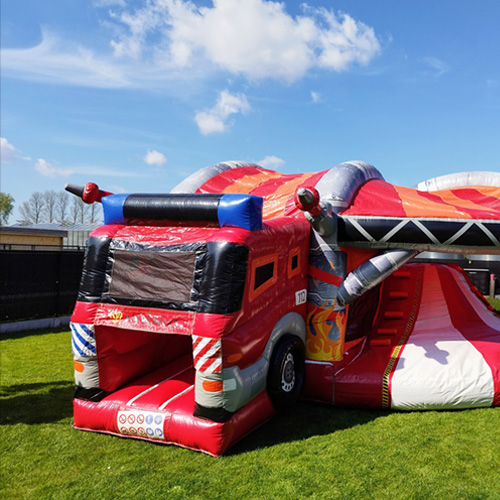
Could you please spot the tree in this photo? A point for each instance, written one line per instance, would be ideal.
(6, 207)
(79, 211)
(50, 205)
(62, 204)
(32, 210)
(94, 213)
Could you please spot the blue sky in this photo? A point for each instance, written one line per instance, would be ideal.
(137, 94)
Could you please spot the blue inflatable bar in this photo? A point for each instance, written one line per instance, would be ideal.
(228, 210)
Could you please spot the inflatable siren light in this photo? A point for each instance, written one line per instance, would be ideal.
(307, 200)
(90, 193)
(319, 214)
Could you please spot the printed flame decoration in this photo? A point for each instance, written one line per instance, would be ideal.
(115, 314)
(325, 333)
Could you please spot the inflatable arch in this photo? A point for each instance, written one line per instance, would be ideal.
(203, 312)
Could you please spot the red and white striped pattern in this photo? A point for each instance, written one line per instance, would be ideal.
(451, 358)
(207, 354)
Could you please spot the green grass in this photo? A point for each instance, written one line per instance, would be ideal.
(495, 303)
(315, 451)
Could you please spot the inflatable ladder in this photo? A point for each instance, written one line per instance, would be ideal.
(364, 381)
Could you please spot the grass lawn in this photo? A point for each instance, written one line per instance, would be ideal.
(315, 451)
(495, 303)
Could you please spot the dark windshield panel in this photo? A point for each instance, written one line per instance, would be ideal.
(201, 277)
(165, 276)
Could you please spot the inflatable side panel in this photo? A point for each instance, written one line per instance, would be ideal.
(460, 220)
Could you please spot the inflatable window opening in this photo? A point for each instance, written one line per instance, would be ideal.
(203, 312)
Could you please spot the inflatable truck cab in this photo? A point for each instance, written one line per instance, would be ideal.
(189, 335)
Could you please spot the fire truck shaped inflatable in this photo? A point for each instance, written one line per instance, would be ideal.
(203, 312)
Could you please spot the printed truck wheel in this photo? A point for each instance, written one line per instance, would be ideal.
(286, 372)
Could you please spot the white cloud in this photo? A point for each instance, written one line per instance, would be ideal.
(254, 38)
(215, 119)
(166, 40)
(345, 41)
(46, 169)
(438, 66)
(271, 162)
(100, 171)
(115, 188)
(56, 61)
(315, 96)
(8, 153)
(155, 158)
(109, 3)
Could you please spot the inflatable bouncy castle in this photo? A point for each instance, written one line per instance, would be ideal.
(203, 312)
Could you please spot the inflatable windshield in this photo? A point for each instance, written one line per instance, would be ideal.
(203, 312)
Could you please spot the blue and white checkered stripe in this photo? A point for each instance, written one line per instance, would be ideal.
(83, 339)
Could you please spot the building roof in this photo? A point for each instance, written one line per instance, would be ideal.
(33, 230)
(57, 227)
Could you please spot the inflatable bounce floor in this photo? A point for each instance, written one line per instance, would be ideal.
(203, 312)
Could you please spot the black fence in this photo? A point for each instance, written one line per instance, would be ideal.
(38, 284)
(43, 282)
